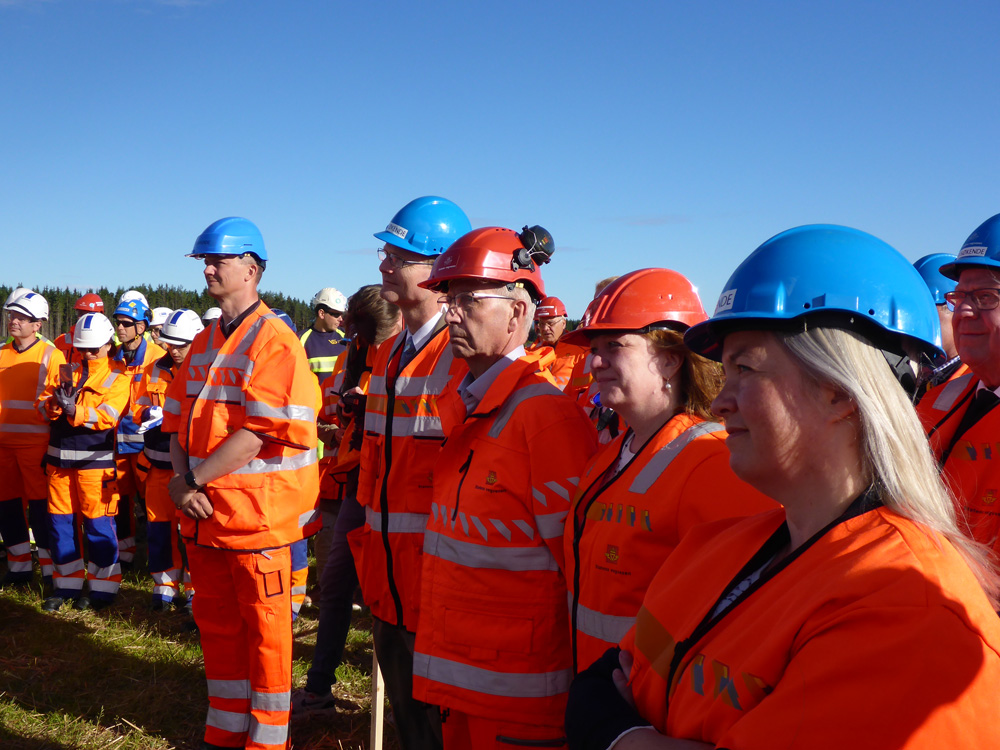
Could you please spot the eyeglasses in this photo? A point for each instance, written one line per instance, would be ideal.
(124, 323)
(88, 349)
(217, 257)
(467, 301)
(396, 262)
(981, 299)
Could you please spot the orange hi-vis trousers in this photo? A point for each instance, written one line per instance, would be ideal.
(162, 538)
(243, 610)
(90, 496)
(130, 484)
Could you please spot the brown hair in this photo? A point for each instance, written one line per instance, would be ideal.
(372, 318)
(701, 379)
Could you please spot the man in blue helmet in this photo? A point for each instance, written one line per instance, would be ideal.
(960, 417)
(133, 356)
(929, 268)
(242, 413)
(402, 439)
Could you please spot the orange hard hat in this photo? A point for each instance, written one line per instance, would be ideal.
(550, 307)
(495, 254)
(90, 302)
(641, 301)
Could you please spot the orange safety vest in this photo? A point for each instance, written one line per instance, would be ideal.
(258, 379)
(152, 392)
(580, 378)
(625, 523)
(876, 635)
(493, 621)
(403, 436)
(87, 440)
(972, 468)
(127, 438)
(64, 342)
(24, 377)
(337, 464)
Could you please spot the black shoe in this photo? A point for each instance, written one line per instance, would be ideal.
(53, 604)
(82, 603)
(159, 605)
(98, 604)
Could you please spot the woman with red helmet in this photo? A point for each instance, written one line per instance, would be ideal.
(667, 472)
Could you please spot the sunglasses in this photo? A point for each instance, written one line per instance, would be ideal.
(124, 323)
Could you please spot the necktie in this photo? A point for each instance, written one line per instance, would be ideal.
(409, 352)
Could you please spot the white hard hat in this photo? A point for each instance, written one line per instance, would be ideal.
(181, 327)
(31, 304)
(132, 294)
(211, 314)
(330, 297)
(14, 295)
(93, 330)
(160, 315)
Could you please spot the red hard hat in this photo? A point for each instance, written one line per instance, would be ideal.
(492, 254)
(639, 301)
(550, 307)
(90, 302)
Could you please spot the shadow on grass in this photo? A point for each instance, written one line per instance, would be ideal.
(11, 741)
(89, 666)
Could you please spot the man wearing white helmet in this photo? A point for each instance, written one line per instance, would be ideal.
(160, 315)
(177, 333)
(323, 340)
(27, 366)
(211, 314)
(84, 410)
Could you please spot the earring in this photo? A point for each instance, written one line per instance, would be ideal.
(669, 386)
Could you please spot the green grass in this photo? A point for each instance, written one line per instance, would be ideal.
(132, 679)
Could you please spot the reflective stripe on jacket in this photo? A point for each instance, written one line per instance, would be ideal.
(493, 622)
(626, 522)
(86, 441)
(972, 467)
(877, 635)
(403, 437)
(322, 350)
(24, 377)
(257, 379)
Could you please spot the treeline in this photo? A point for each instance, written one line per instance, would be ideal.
(62, 314)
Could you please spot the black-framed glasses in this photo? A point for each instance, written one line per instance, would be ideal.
(125, 323)
(397, 262)
(981, 299)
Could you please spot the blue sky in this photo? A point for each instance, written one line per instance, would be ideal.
(676, 134)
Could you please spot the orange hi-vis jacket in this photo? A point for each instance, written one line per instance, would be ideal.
(493, 622)
(566, 358)
(24, 377)
(624, 522)
(403, 436)
(972, 467)
(339, 463)
(581, 378)
(876, 635)
(258, 379)
(87, 440)
(152, 391)
(330, 389)
(127, 438)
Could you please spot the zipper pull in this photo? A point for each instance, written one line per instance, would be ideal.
(463, 469)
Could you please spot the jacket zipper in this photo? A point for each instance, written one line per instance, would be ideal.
(464, 470)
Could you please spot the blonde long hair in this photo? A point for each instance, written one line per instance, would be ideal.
(896, 456)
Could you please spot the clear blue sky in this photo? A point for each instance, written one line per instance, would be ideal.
(677, 134)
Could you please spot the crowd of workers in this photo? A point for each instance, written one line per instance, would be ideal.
(603, 539)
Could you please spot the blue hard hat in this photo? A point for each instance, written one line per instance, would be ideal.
(134, 309)
(981, 250)
(426, 226)
(829, 276)
(285, 318)
(929, 268)
(230, 236)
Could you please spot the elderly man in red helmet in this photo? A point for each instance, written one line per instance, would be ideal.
(550, 324)
(492, 647)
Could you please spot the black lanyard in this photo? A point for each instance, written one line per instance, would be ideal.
(864, 503)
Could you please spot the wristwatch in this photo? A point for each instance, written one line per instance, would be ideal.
(190, 481)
